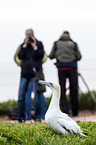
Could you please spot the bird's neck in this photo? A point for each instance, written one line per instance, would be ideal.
(55, 100)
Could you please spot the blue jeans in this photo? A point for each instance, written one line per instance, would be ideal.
(40, 105)
(24, 98)
(25, 101)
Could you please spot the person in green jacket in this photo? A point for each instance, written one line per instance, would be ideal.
(66, 53)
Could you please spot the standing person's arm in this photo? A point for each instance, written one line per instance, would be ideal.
(38, 48)
(52, 53)
(40, 51)
(78, 54)
(23, 48)
(22, 52)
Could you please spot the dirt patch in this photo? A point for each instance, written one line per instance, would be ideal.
(4, 118)
(84, 115)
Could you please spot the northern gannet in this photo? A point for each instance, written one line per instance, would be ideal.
(57, 120)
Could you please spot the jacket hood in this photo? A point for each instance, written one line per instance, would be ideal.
(65, 37)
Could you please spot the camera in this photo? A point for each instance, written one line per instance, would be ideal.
(30, 39)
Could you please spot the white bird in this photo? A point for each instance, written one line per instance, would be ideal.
(57, 120)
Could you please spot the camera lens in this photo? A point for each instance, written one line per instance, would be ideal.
(30, 39)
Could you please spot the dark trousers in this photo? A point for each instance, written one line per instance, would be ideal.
(73, 81)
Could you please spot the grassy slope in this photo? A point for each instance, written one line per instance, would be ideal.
(41, 134)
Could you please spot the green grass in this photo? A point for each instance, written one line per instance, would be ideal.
(41, 134)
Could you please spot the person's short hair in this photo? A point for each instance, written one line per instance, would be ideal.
(66, 32)
(29, 32)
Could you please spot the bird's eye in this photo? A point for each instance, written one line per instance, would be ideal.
(51, 84)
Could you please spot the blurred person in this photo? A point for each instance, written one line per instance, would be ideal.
(66, 53)
(29, 56)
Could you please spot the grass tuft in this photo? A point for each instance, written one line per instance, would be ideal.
(42, 134)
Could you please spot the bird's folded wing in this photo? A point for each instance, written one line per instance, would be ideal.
(70, 125)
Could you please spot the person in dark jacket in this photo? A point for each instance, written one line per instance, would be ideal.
(30, 53)
(67, 53)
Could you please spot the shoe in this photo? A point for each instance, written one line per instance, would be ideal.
(29, 118)
(20, 121)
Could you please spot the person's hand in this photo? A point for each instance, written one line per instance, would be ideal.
(26, 42)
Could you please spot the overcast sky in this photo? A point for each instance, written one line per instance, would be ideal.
(48, 19)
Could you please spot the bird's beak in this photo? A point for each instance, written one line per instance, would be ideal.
(44, 83)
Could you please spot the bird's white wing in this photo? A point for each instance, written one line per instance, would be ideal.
(70, 125)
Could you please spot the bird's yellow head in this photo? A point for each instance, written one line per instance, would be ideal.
(50, 85)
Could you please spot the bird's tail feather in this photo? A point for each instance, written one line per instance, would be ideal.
(84, 134)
